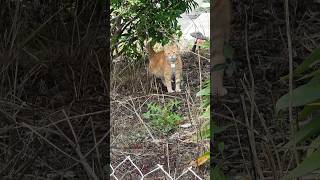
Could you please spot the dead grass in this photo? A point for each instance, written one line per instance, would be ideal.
(53, 103)
(132, 134)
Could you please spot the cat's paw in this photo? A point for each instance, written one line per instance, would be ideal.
(170, 91)
(178, 90)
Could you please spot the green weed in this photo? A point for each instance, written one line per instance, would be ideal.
(163, 118)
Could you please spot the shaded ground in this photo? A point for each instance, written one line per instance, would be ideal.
(267, 44)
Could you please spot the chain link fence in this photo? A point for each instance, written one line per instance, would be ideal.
(150, 173)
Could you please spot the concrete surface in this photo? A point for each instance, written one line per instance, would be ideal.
(195, 21)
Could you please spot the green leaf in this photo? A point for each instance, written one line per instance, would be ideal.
(203, 92)
(313, 58)
(302, 95)
(217, 174)
(206, 44)
(307, 110)
(315, 79)
(307, 166)
(310, 129)
(205, 132)
(313, 146)
(314, 104)
(312, 74)
(309, 62)
(206, 113)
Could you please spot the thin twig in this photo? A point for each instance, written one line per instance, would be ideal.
(238, 138)
(77, 147)
(256, 164)
(49, 142)
(252, 107)
(263, 122)
(141, 120)
(292, 123)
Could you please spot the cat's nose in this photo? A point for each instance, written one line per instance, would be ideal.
(173, 57)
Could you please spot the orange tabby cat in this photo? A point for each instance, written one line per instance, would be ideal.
(165, 64)
(220, 25)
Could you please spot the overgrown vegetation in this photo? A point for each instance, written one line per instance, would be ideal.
(53, 90)
(266, 140)
(306, 95)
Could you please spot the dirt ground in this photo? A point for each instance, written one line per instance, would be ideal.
(131, 90)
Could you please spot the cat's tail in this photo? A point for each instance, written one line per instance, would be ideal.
(150, 50)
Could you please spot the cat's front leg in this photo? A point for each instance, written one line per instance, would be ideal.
(178, 82)
(167, 82)
(169, 87)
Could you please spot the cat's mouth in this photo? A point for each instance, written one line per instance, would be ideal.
(172, 58)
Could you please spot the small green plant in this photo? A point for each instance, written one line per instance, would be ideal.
(163, 118)
(206, 45)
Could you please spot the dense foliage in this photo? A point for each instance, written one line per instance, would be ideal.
(134, 21)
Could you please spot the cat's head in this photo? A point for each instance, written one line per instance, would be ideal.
(171, 52)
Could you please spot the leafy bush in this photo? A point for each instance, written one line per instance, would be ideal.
(134, 20)
(163, 118)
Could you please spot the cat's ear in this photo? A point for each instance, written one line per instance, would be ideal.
(176, 44)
